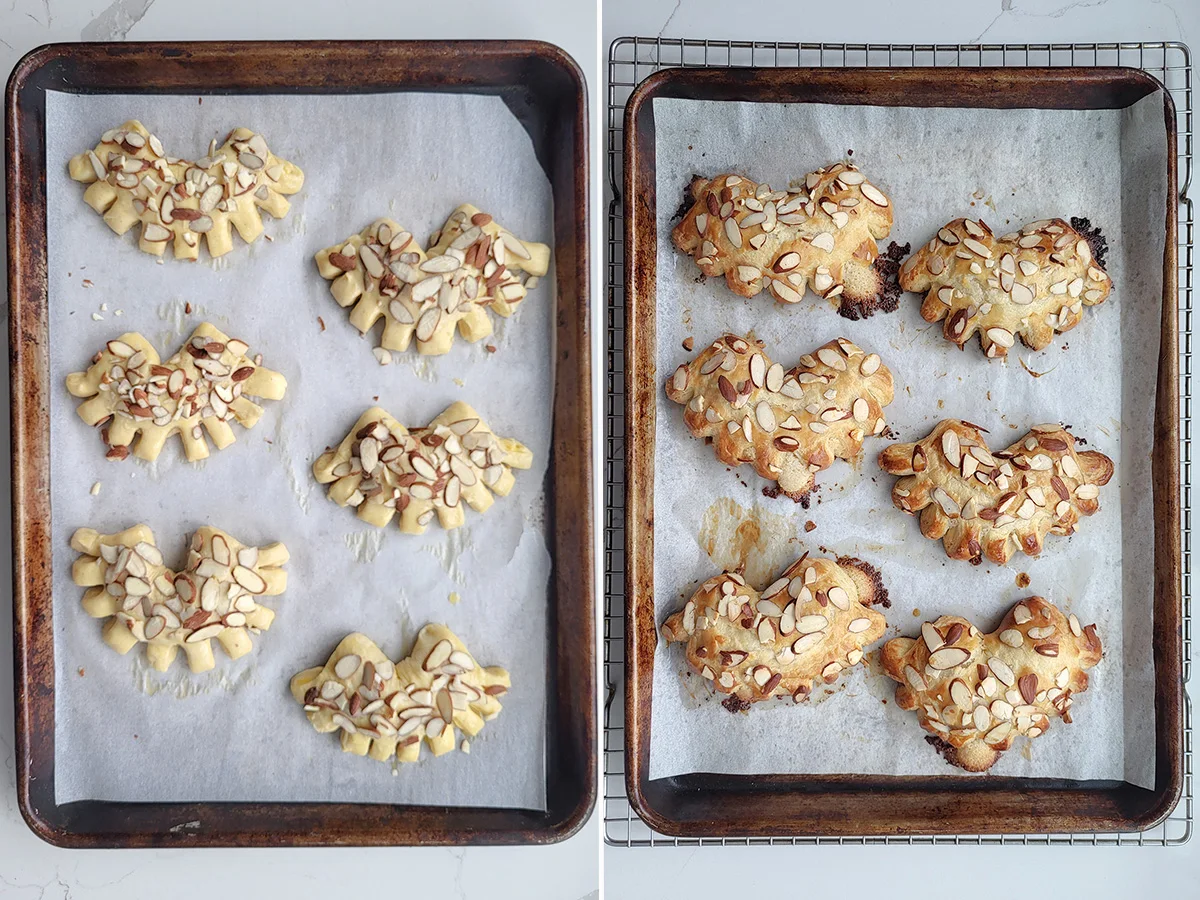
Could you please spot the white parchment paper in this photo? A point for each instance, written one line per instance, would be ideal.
(126, 732)
(1007, 167)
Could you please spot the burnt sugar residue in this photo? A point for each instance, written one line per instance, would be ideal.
(734, 703)
(774, 492)
(754, 541)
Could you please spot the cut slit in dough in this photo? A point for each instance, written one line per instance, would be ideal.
(385, 709)
(144, 601)
(473, 265)
(130, 180)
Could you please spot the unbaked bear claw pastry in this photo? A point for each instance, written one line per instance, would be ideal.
(977, 693)
(382, 468)
(385, 709)
(205, 386)
(145, 602)
(1027, 284)
(823, 237)
(981, 503)
(473, 265)
(788, 424)
(807, 626)
(131, 179)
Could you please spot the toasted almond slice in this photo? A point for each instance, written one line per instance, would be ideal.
(838, 597)
(932, 637)
(948, 658)
(811, 624)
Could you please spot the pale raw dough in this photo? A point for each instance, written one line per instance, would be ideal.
(131, 179)
(208, 382)
(424, 472)
(472, 265)
(384, 709)
(144, 601)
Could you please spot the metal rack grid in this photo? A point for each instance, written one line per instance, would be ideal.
(633, 59)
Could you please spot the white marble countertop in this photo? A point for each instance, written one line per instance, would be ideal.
(33, 870)
(903, 872)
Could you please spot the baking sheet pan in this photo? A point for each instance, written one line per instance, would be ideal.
(127, 732)
(849, 517)
(551, 796)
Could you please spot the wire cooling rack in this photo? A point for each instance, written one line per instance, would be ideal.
(633, 59)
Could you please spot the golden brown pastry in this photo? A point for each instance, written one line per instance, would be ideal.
(382, 468)
(385, 709)
(992, 504)
(205, 386)
(810, 624)
(131, 179)
(823, 237)
(145, 602)
(472, 266)
(789, 424)
(978, 692)
(1027, 284)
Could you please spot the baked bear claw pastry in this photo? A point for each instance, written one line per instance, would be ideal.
(205, 386)
(216, 596)
(472, 266)
(977, 693)
(382, 468)
(131, 179)
(823, 236)
(385, 709)
(1028, 284)
(981, 503)
(807, 626)
(788, 424)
